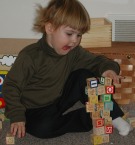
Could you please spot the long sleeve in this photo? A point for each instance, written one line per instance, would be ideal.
(97, 64)
(13, 86)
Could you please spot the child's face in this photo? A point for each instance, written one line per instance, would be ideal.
(64, 39)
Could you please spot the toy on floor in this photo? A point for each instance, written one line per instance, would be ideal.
(99, 105)
(10, 139)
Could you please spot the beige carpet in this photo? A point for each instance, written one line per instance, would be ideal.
(71, 138)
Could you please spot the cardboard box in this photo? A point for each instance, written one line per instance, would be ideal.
(100, 34)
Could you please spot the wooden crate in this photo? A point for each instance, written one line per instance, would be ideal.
(124, 54)
(100, 34)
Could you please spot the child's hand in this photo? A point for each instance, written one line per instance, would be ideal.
(111, 74)
(18, 128)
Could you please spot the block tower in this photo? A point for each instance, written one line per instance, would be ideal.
(100, 91)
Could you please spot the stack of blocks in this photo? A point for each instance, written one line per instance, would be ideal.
(99, 91)
(9, 138)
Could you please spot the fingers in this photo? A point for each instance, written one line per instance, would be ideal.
(111, 74)
(18, 129)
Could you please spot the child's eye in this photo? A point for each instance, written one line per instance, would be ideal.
(79, 35)
(69, 34)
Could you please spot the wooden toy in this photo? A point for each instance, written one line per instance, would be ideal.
(105, 138)
(108, 129)
(92, 92)
(108, 105)
(99, 105)
(108, 121)
(92, 82)
(95, 114)
(98, 122)
(99, 130)
(90, 107)
(108, 81)
(102, 80)
(100, 89)
(106, 97)
(96, 139)
(93, 99)
(10, 139)
(105, 113)
(109, 89)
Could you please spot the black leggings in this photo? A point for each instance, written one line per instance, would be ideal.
(51, 121)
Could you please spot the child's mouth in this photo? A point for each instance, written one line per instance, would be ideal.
(66, 47)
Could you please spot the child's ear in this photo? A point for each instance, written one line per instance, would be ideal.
(49, 28)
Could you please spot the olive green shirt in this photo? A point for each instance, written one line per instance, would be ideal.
(38, 75)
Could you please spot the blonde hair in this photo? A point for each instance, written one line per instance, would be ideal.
(63, 12)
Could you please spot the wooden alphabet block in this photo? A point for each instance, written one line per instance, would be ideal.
(108, 81)
(90, 107)
(98, 122)
(102, 80)
(106, 97)
(105, 113)
(10, 139)
(99, 106)
(109, 90)
(100, 90)
(96, 139)
(105, 138)
(99, 130)
(95, 114)
(92, 92)
(108, 129)
(108, 106)
(108, 121)
(92, 82)
(93, 99)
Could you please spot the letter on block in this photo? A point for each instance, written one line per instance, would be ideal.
(108, 129)
(98, 122)
(106, 97)
(109, 89)
(92, 82)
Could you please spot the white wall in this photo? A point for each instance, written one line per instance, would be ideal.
(16, 16)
